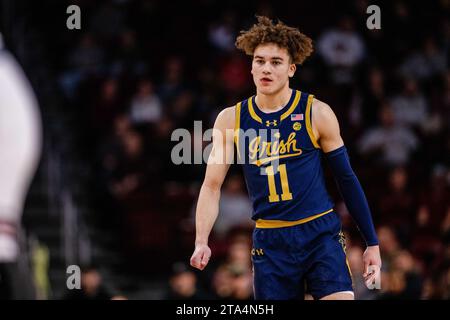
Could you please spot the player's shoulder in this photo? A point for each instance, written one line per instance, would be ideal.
(226, 118)
(227, 112)
(322, 112)
(324, 119)
(320, 107)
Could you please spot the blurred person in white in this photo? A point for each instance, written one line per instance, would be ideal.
(20, 143)
(426, 63)
(234, 208)
(342, 48)
(410, 108)
(221, 33)
(390, 143)
(146, 105)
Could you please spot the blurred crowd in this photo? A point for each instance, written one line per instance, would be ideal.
(140, 69)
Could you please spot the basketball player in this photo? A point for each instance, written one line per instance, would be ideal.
(297, 238)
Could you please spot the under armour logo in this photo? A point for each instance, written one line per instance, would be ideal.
(271, 123)
(258, 252)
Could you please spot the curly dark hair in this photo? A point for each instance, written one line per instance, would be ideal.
(298, 45)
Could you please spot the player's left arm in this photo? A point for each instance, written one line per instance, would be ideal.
(326, 130)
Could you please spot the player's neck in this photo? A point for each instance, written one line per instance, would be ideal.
(273, 102)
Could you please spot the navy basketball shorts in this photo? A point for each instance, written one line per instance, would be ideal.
(311, 255)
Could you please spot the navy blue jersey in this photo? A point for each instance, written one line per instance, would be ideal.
(282, 162)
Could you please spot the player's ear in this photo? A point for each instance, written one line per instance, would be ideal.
(292, 69)
(253, 58)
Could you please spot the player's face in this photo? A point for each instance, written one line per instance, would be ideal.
(271, 68)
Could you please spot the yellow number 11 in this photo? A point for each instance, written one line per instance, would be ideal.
(273, 196)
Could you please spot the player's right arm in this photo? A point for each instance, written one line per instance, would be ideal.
(208, 201)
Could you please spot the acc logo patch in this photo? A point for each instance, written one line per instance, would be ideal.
(297, 126)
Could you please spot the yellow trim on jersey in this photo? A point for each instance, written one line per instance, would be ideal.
(348, 266)
(308, 122)
(292, 107)
(237, 126)
(268, 224)
(252, 111)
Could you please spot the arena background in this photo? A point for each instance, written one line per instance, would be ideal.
(107, 197)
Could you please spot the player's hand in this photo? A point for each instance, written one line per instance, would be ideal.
(372, 259)
(201, 256)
